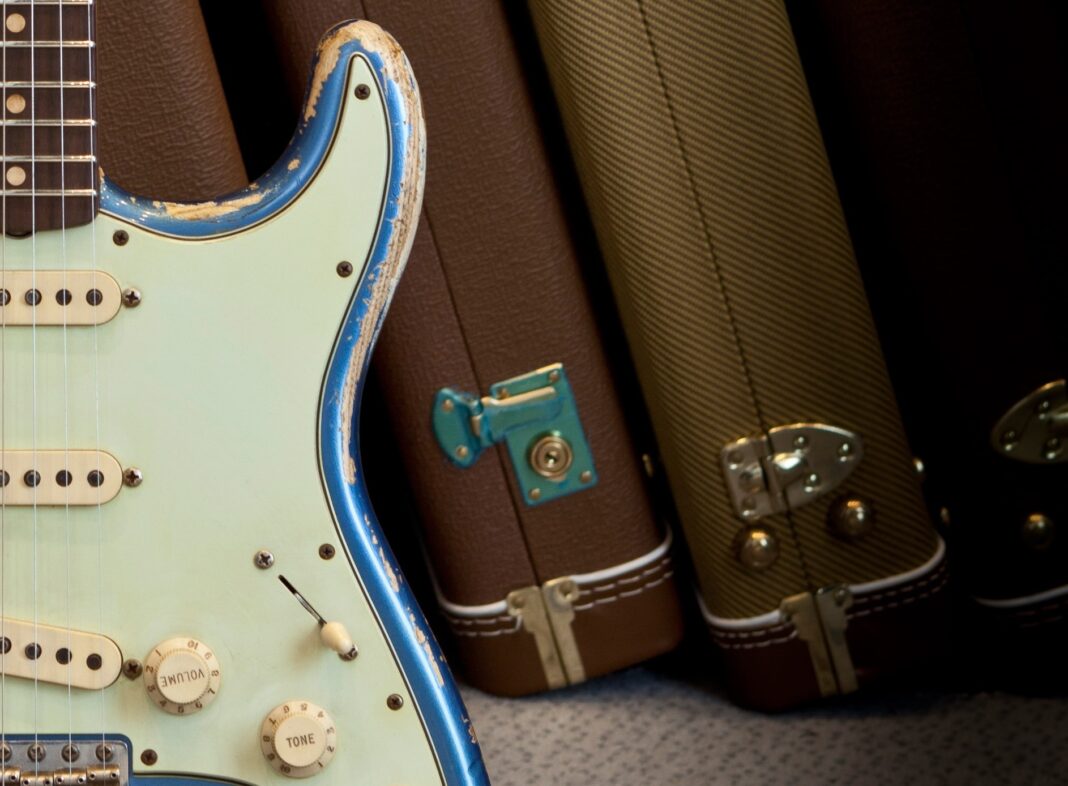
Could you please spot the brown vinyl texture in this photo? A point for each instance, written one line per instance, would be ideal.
(719, 220)
(492, 290)
(165, 128)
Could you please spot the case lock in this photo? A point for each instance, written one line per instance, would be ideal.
(1035, 429)
(535, 416)
(788, 467)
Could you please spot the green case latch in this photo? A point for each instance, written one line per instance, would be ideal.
(536, 418)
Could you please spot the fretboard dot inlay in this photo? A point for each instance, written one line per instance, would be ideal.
(16, 175)
(16, 103)
(16, 23)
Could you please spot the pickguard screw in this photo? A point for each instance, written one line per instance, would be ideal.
(36, 752)
(327, 551)
(70, 753)
(344, 269)
(395, 701)
(133, 477)
(132, 669)
(263, 559)
(131, 298)
(121, 237)
(104, 752)
(149, 757)
(363, 92)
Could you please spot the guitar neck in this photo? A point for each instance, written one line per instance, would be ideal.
(48, 138)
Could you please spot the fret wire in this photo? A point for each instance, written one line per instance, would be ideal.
(80, 44)
(51, 192)
(72, 159)
(46, 2)
(48, 85)
(48, 123)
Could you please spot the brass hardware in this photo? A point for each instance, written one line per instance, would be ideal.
(546, 613)
(585, 476)
(757, 548)
(919, 467)
(535, 494)
(851, 518)
(1038, 531)
(820, 621)
(551, 457)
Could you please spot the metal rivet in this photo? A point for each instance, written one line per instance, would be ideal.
(845, 451)
(121, 237)
(1038, 531)
(36, 752)
(800, 443)
(344, 269)
(133, 477)
(95, 478)
(447, 405)
(70, 752)
(518, 601)
(462, 452)
(327, 551)
(554, 375)
(32, 297)
(94, 662)
(263, 559)
(943, 516)
(149, 757)
(812, 481)
(132, 669)
(1044, 406)
(363, 92)
(585, 476)
(104, 752)
(735, 459)
(1009, 440)
(850, 518)
(757, 548)
(568, 590)
(919, 467)
(502, 393)
(551, 457)
(131, 298)
(841, 595)
(395, 701)
(535, 494)
(1052, 448)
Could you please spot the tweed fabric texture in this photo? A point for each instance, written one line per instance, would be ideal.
(709, 187)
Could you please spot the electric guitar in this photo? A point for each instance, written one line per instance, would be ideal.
(193, 586)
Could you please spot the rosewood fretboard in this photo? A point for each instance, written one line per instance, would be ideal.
(48, 136)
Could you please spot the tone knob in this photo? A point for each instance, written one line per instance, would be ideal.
(182, 675)
(298, 738)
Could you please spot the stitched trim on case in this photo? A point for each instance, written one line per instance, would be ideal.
(626, 593)
(939, 575)
(753, 645)
(663, 564)
(749, 634)
(489, 633)
(898, 603)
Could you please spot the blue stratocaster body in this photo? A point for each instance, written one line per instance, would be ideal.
(193, 586)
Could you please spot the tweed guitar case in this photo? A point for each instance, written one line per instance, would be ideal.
(718, 218)
(550, 564)
(952, 175)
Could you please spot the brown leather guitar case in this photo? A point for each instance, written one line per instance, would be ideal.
(947, 126)
(719, 221)
(550, 564)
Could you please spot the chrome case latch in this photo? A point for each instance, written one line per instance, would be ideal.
(788, 467)
(1035, 429)
(535, 416)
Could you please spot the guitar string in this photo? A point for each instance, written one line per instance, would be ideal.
(33, 276)
(3, 419)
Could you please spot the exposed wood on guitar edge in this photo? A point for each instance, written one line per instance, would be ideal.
(203, 211)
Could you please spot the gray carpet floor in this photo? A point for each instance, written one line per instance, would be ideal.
(648, 726)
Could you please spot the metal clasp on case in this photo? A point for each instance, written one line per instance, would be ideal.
(535, 416)
(788, 467)
(1035, 429)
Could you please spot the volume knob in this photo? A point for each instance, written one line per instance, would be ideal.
(182, 676)
(298, 738)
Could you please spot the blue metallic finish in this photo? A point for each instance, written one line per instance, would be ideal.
(518, 412)
(420, 659)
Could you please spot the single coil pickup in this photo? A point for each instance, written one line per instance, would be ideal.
(78, 478)
(58, 297)
(59, 656)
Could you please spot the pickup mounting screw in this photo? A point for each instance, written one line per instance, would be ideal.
(263, 559)
(344, 269)
(132, 669)
(131, 298)
(149, 757)
(395, 701)
(104, 752)
(327, 551)
(133, 476)
(363, 92)
(121, 237)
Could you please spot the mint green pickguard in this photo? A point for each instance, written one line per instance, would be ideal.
(211, 387)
